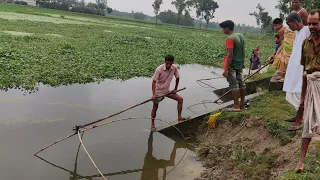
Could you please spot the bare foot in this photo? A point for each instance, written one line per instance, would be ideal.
(153, 129)
(300, 168)
(183, 119)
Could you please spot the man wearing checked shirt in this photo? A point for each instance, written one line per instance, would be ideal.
(161, 84)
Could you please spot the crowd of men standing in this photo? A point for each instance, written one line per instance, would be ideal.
(297, 59)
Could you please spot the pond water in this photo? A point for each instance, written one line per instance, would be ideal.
(124, 150)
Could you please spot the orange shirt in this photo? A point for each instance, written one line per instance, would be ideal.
(229, 44)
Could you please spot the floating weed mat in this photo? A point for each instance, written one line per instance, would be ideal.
(87, 53)
(17, 33)
(29, 17)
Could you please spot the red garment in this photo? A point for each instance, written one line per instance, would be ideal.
(229, 45)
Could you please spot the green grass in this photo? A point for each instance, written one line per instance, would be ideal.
(253, 166)
(312, 166)
(94, 48)
(273, 108)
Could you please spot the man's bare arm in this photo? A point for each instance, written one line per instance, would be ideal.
(177, 84)
(304, 17)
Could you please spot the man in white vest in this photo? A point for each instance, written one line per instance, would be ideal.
(293, 82)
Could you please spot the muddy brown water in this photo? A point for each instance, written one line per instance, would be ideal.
(122, 151)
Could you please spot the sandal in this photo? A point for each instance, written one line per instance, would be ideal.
(295, 128)
(232, 110)
(290, 120)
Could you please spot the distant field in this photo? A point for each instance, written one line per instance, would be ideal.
(59, 48)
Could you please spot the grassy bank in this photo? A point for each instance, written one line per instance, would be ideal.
(255, 144)
(273, 108)
(59, 48)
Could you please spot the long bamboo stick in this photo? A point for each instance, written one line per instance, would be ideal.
(84, 148)
(107, 117)
(55, 143)
(131, 118)
(99, 121)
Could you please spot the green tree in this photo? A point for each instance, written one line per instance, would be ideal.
(187, 17)
(209, 8)
(181, 5)
(263, 19)
(156, 8)
(205, 9)
(139, 15)
(101, 5)
(199, 13)
(109, 10)
(171, 17)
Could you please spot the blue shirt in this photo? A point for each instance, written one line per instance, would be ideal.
(277, 47)
(255, 62)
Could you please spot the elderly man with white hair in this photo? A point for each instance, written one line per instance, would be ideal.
(293, 82)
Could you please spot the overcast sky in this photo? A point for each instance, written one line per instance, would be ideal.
(236, 10)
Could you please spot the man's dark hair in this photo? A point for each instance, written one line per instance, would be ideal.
(277, 36)
(294, 17)
(169, 58)
(277, 21)
(313, 12)
(227, 24)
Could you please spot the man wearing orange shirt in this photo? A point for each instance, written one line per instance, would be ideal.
(234, 64)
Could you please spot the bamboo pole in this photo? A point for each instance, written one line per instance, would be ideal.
(55, 143)
(84, 148)
(78, 127)
(107, 117)
(131, 118)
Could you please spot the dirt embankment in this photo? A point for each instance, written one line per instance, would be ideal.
(245, 151)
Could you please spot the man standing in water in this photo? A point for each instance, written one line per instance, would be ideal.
(310, 98)
(293, 83)
(161, 84)
(234, 64)
(296, 6)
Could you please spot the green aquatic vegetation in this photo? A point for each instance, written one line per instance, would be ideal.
(44, 48)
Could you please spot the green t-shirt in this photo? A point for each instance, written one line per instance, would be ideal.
(239, 53)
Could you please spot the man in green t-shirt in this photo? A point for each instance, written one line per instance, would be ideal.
(234, 64)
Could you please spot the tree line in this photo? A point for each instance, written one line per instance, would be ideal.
(205, 10)
(99, 7)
